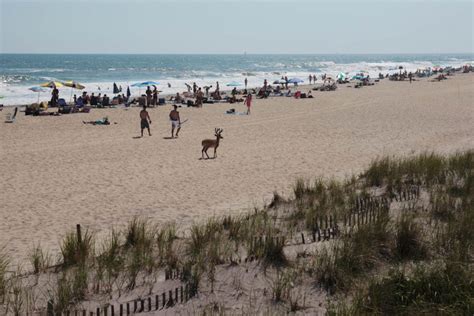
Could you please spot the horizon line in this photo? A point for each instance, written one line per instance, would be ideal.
(238, 54)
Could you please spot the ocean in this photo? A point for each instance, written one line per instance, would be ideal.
(18, 72)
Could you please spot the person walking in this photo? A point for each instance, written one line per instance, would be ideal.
(175, 121)
(248, 102)
(145, 120)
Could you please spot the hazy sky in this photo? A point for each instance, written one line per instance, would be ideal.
(231, 26)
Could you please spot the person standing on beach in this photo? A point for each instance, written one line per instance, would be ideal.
(194, 88)
(248, 102)
(54, 96)
(145, 120)
(314, 79)
(148, 96)
(199, 98)
(286, 82)
(410, 76)
(155, 96)
(310, 79)
(245, 82)
(175, 121)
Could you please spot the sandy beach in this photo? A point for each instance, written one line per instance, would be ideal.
(58, 172)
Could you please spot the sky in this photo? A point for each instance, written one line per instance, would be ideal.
(231, 26)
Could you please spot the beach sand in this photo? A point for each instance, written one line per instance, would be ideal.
(57, 172)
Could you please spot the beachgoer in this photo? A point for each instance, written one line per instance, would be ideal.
(75, 99)
(207, 90)
(169, 85)
(93, 99)
(194, 88)
(199, 98)
(175, 121)
(188, 87)
(314, 79)
(245, 82)
(286, 82)
(105, 100)
(310, 79)
(54, 96)
(155, 96)
(148, 96)
(248, 102)
(309, 96)
(410, 76)
(178, 98)
(104, 121)
(145, 120)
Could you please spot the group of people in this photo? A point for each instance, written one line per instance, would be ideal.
(152, 96)
(97, 100)
(174, 117)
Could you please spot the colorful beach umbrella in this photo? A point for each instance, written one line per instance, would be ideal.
(233, 84)
(73, 84)
(38, 90)
(145, 84)
(52, 84)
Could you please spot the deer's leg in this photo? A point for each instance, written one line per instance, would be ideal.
(215, 152)
(205, 151)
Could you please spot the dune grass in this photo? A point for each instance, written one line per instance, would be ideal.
(75, 251)
(406, 260)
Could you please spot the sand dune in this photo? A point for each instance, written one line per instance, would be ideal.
(57, 172)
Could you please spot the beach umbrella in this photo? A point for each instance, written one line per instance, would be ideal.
(233, 84)
(296, 80)
(39, 90)
(73, 85)
(145, 84)
(52, 84)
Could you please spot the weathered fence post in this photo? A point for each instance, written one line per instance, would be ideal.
(128, 308)
(157, 302)
(79, 234)
(149, 303)
(302, 238)
(163, 298)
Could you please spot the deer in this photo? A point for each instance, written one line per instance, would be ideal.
(211, 143)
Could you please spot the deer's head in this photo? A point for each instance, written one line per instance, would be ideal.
(218, 132)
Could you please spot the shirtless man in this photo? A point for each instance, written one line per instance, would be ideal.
(145, 120)
(175, 121)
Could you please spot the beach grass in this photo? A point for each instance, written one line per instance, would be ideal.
(411, 257)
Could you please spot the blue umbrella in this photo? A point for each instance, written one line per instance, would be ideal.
(295, 80)
(233, 84)
(39, 90)
(145, 84)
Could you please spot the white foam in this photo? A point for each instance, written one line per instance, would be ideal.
(15, 94)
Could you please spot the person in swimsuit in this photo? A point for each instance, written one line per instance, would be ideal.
(145, 120)
(175, 121)
(248, 102)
